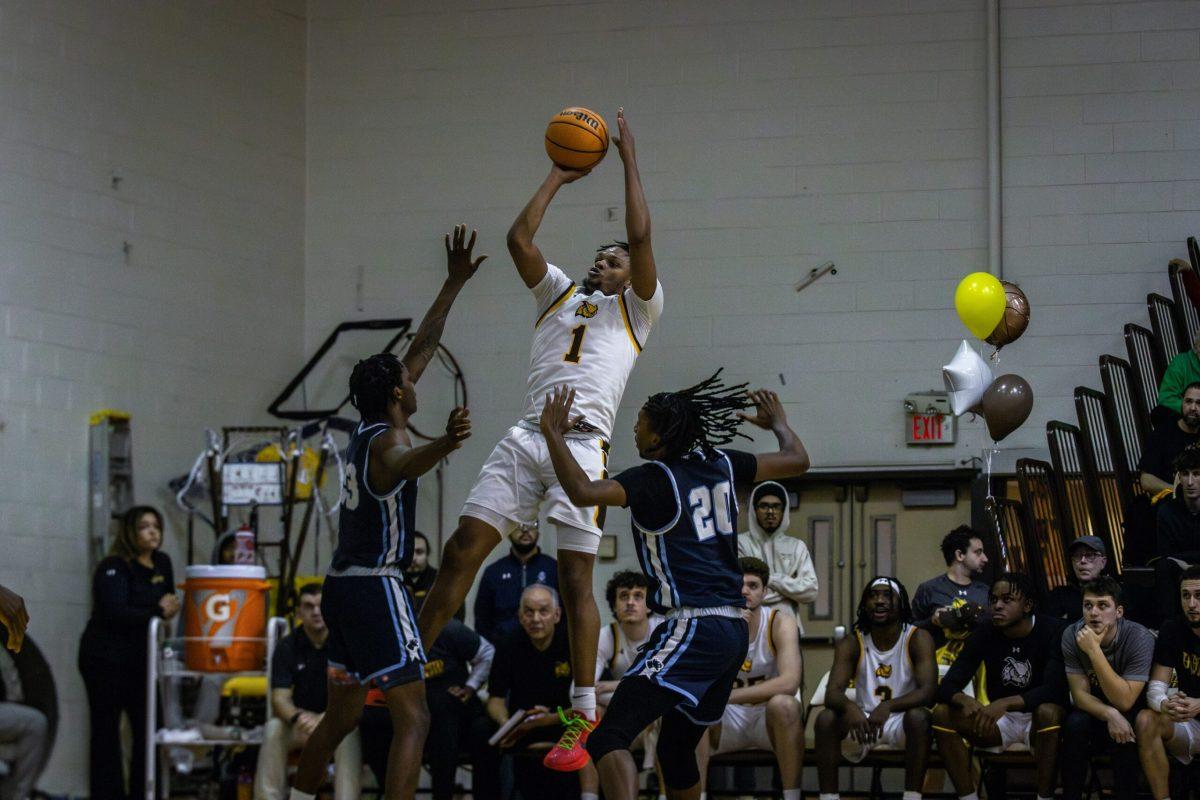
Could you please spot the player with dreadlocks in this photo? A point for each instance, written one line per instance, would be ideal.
(683, 505)
(895, 676)
(372, 632)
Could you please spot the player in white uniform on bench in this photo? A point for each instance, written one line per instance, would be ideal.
(895, 677)
(620, 643)
(764, 712)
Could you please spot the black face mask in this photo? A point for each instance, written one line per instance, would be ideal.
(523, 549)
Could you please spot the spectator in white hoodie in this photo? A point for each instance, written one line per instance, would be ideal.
(793, 578)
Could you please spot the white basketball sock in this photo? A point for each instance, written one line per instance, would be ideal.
(791, 794)
(583, 700)
(830, 796)
(296, 794)
(912, 796)
(971, 796)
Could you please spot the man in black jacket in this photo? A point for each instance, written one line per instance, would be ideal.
(1089, 558)
(1026, 687)
(1178, 532)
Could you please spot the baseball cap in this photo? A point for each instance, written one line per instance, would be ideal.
(1091, 542)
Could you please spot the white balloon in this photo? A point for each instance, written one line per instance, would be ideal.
(967, 377)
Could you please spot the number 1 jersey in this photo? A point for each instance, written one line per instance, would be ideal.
(589, 341)
(684, 516)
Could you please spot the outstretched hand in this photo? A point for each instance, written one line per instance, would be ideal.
(458, 427)
(458, 255)
(556, 414)
(566, 175)
(624, 139)
(768, 410)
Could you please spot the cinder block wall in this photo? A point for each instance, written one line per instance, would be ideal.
(177, 130)
(772, 137)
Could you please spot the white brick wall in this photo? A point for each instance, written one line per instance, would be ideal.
(772, 137)
(200, 111)
(1098, 104)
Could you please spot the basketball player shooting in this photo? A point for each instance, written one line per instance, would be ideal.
(587, 335)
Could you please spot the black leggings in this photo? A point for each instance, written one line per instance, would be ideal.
(112, 689)
(637, 703)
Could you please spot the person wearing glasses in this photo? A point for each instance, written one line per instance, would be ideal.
(1089, 560)
(793, 578)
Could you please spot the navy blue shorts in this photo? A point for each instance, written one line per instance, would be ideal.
(698, 659)
(372, 631)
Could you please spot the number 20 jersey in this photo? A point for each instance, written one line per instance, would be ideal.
(691, 562)
(588, 341)
(374, 530)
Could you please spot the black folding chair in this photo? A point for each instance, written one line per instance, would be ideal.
(1129, 420)
(1043, 519)
(1113, 485)
(1165, 325)
(1187, 319)
(1145, 360)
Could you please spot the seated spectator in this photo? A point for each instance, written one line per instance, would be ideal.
(763, 711)
(24, 732)
(503, 581)
(1026, 689)
(1107, 660)
(1168, 440)
(420, 574)
(618, 648)
(1177, 520)
(458, 665)
(1089, 559)
(892, 664)
(1183, 371)
(298, 696)
(1168, 724)
(532, 673)
(793, 578)
(952, 604)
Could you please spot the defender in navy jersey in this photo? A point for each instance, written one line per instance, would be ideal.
(684, 508)
(372, 629)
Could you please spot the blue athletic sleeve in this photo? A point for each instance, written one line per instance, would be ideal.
(745, 465)
(649, 495)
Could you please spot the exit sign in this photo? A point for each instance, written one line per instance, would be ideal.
(930, 428)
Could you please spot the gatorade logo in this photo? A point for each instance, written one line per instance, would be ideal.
(218, 608)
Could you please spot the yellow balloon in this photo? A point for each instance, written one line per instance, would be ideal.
(979, 300)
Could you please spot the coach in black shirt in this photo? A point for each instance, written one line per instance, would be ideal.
(298, 698)
(532, 672)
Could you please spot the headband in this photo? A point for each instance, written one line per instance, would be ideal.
(888, 582)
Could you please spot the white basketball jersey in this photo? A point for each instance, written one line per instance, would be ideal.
(882, 676)
(760, 663)
(616, 651)
(588, 341)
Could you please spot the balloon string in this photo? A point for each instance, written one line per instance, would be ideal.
(987, 469)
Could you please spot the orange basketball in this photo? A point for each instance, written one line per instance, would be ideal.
(576, 138)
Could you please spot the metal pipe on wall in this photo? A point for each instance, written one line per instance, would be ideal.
(995, 242)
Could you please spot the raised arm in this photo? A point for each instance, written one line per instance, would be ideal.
(531, 264)
(643, 275)
(459, 267)
(791, 459)
(581, 490)
(392, 460)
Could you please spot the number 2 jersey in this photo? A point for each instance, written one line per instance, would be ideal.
(374, 530)
(589, 341)
(883, 674)
(684, 513)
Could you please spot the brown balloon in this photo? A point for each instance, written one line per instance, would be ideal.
(1006, 405)
(1015, 319)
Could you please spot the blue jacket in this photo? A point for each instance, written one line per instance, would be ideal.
(500, 589)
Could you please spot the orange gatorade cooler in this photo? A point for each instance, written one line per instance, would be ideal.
(225, 618)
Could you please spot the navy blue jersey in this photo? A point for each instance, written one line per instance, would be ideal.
(374, 530)
(684, 525)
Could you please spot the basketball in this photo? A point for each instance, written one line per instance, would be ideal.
(576, 138)
(1015, 319)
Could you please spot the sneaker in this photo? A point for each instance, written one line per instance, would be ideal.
(569, 755)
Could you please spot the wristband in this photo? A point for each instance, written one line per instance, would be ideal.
(295, 717)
